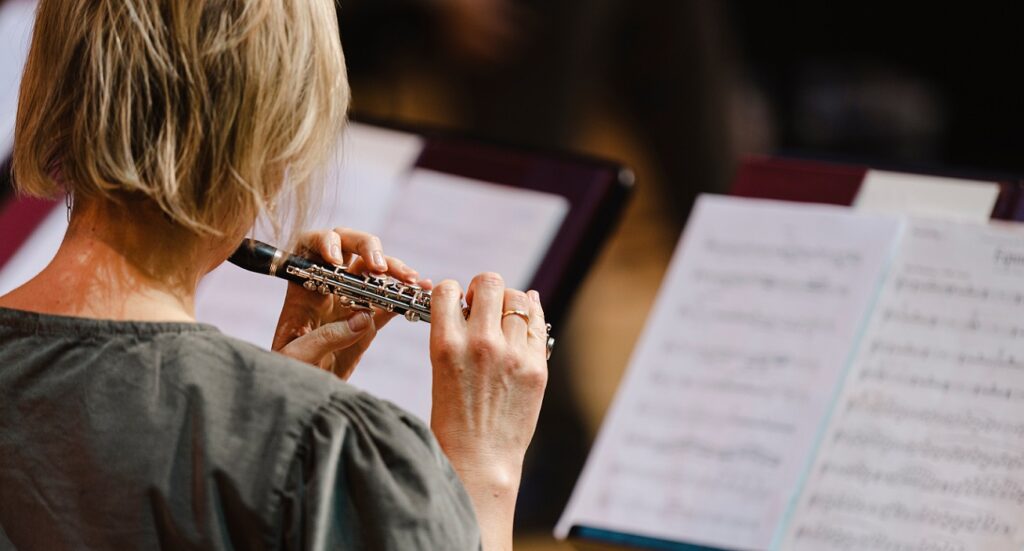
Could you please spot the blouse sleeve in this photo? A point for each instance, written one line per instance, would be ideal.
(367, 475)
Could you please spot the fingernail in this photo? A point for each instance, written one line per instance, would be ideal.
(378, 259)
(534, 296)
(336, 252)
(359, 322)
(412, 277)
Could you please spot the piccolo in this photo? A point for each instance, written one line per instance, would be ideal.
(356, 291)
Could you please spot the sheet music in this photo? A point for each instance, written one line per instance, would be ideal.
(16, 20)
(927, 196)
(452, 227)
(925, 449)
(717, 415)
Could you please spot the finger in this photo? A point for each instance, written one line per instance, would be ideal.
(366, 245)
(326, 244)
(396, 269)
(486, 296)
(400, 270)
(343, 362)
(382, 317)
(513, 326)
(315, 345)
(537, 336)
(446, 311)
(425, 284)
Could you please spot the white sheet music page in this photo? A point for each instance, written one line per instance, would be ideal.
(925, 448)
(719, 410)
(452, 227)
(927, 196)
(16, 20)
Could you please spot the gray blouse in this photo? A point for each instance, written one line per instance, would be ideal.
(135, 435)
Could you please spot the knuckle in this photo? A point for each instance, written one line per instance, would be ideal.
(516, 299)
(327, 336)
(535, 377)
(482, 347)
(446, 351)
(446, 289)
(489, 279)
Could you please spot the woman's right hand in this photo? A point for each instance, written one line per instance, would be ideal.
(490, 372)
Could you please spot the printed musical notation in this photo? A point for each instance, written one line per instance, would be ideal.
(726, 357)
(733, 279)
(949, 518)
(963, 451)
(744, 485)
(925, 448)
(723, 385)
(890, 409)
(955, 324)
(788, 252)
(830, 536)
(932, 354)
(913, 285)
(757, 319)
(924, 482)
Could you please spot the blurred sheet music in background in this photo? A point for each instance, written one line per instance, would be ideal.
(483, 227)
(16, 20)
(719, 410)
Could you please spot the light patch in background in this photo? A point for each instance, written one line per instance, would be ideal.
(927, 196)
(16, 20)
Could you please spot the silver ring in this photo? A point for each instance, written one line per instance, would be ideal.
(549, 345)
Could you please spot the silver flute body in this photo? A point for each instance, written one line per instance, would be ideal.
(357, 291)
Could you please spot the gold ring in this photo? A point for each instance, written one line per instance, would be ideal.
(521, 313)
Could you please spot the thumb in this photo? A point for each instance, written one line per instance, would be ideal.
(331, 337)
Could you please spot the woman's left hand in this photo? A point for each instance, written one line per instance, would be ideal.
(318, 329)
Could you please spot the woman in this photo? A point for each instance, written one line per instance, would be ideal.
(123, 422)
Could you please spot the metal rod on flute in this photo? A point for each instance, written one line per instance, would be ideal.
(358, 291)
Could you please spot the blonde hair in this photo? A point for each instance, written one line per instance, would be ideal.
(203, 107)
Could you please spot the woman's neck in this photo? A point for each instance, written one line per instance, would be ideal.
(114, 264)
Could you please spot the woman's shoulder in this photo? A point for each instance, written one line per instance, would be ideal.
(259, 374)
(305, 394)
(368, 454)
